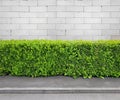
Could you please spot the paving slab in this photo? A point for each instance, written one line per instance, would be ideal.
(58, 84)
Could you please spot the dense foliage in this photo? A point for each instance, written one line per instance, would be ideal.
(51, 58)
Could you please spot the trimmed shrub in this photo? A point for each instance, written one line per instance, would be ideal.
(77, 58)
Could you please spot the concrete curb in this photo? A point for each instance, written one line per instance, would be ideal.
(57, 90)
(57, 85)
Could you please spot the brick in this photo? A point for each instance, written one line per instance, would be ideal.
(100, 14)
(19, 20)
(9, 14)
(114, 26)
(28, 2)
(92, 20)
(37, 32)
(100, 2)
(46, 2)
(82, 26)
(65, 2)
(100, 26)
(38, 20)
(75, 20)
(9, 26)
(110, 20)
(56, 20)
(64, 26)
(83, 14)
(83, 2)
(65, 14)
(46, 26)
(5, 20)
(92, 9)
(110, 8)
(38, 9)
(28, 26)
(115, 2)
(56, 32)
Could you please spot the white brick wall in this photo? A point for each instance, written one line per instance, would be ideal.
(60, 19)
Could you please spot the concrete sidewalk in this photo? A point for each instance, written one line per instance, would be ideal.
(57, 85)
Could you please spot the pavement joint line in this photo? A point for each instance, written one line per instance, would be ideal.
(68, 89)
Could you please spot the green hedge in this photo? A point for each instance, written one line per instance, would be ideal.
(57, 57)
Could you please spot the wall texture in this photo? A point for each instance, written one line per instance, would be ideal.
(60, 19)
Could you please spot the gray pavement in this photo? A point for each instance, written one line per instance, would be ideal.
(60, 96)
(57, 85)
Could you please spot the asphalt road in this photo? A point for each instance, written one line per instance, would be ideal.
(112, 96)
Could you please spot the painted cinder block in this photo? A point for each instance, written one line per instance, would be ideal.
(45, 26)
(83, 2)
(5, 20)
(110, 8)
(38, 9)
(28, 2)
(57, 8)
(19, 20)
(65, 14)
(92, 9)
(100, 2)
(46, 2)
(56, 32)
(115, 26)
(83, 14)
(74, 20)
(37, 20)
(64, 26)
(100, 14)
(110, 32)
(59, 19)
(37, 32)
(28, 26)
(110, 20)
(82, 26)
(56, 20)
(65, 2)
(10, 2)
(115, 14)
(92, 20)
(100, 26)
(115, 2)
(9, 14)
(9, 26)
(4, 32)
(115, 37)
